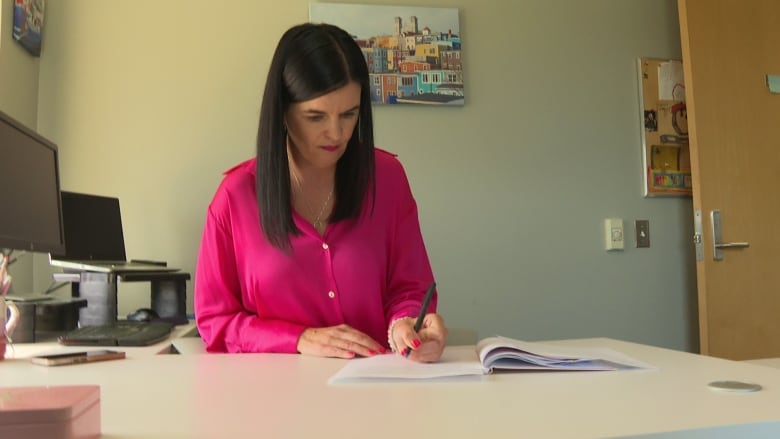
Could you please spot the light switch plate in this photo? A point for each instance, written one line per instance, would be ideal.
(613, 234)
(642, 233)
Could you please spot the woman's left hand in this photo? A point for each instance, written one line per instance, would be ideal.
(427, 345)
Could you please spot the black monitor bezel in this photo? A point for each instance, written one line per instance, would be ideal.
(16, 243)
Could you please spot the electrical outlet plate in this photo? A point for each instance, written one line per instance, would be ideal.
(642, 233)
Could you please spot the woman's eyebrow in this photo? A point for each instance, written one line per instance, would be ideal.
(320, 112)
(355, 108)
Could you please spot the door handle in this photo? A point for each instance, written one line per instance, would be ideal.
(717, 238)
(732, 245)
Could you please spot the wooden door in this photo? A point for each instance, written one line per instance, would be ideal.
(729, 46)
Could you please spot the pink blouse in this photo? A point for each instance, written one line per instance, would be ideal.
(252, 297)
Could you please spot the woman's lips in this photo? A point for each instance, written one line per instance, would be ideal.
(330, 148)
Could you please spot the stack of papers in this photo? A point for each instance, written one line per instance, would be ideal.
(493, 353)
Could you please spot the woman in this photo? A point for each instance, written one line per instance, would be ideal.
(314, 246)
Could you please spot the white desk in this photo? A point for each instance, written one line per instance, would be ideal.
(286, 396)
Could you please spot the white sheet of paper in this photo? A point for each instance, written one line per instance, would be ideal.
(456, 361)
(671, 85)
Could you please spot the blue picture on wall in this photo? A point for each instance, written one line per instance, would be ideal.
(413, 53)
(28, 24)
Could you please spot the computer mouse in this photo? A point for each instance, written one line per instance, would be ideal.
(143, 315)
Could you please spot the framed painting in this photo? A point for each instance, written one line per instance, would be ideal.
(28, 24)
(414, 54)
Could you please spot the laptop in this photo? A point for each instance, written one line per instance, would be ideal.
(94, 240)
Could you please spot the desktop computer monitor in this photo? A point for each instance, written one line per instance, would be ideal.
(30, 204)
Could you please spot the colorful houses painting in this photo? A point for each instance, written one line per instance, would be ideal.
(413, 53)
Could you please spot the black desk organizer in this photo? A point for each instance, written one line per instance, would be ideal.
(168, 294)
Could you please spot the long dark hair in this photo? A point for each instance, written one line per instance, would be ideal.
(310, 61)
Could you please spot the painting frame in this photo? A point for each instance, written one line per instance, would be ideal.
(28, 24)
(414, 54)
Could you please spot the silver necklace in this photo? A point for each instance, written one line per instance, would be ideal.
(318, 224)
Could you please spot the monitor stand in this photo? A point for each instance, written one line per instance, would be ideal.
(43, 318)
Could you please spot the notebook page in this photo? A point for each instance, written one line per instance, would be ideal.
(455, 361)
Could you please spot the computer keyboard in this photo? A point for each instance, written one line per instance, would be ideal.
(121, 333)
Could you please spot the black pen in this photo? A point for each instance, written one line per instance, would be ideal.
(421, 316)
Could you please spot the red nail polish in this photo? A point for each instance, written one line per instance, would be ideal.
(383, 350)
(371, 352)
(403, 352)
(416, 344)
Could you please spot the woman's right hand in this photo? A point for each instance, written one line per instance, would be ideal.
(342, 341)
(425, 346)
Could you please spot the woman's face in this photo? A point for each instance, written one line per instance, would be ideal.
(320, 128)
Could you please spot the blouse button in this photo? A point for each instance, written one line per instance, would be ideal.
(325, 246)
(331, 294)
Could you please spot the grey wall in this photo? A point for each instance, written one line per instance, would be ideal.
(150, 101)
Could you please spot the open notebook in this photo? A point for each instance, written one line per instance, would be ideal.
(94, 240)
(492, 353)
